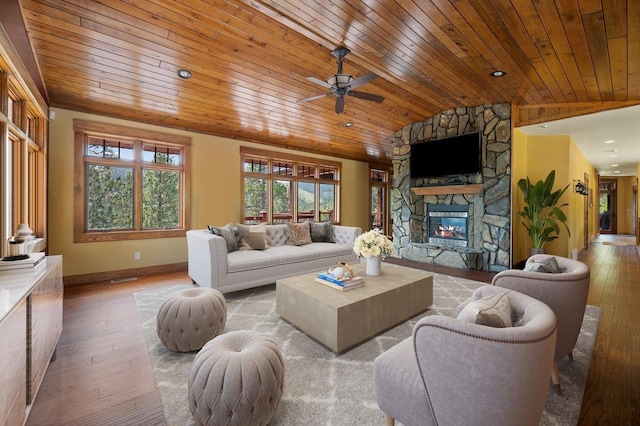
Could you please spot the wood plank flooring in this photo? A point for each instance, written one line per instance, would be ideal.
(103, 376)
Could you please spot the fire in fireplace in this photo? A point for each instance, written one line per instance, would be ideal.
(448, 224)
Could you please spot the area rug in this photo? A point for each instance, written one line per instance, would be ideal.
(322, 388)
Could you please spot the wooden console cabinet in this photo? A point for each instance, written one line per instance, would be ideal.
(30, 326)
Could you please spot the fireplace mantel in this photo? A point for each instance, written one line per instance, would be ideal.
(448, 189)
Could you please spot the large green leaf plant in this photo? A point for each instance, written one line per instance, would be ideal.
(542, 214)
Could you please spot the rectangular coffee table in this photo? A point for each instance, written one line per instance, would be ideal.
(342, 320)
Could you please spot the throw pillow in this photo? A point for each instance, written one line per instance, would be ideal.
(493, 311)
(548, 266)
(254, 241)
(227, 233)
(299, 233)
(253, 235)
(321, 232)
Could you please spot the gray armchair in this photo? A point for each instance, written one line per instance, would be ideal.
(455, 372)
(565, 293)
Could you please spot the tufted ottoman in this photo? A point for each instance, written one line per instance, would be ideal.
(236, 379)
(190, 318)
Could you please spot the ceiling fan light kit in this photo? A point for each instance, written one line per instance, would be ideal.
(341, 84)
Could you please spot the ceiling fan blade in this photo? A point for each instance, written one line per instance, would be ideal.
(313, 98)
(339, 105)
(362, 80)
(320, 82)
(366, 96)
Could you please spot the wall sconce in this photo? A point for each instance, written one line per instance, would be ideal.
(581, 188)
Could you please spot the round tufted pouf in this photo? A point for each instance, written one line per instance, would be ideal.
(190, 318)
(236, 379)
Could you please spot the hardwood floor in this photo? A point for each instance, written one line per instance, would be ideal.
(103, 376)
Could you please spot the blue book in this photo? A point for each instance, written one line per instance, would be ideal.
(346, 282)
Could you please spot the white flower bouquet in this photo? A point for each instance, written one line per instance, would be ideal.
(372, 243)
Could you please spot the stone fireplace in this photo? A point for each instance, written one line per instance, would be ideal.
(461, 221)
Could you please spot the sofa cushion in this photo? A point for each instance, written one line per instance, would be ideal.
(292, 254)
(321, 232)
(329, 249)
(248, 260)
(299, 233)
(227, 233)
(493, 311)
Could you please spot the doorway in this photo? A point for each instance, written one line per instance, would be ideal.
(607, 201)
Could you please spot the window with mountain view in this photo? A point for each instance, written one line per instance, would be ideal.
(131, 186)
(282, 188)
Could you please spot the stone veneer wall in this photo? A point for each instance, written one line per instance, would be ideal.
(490, 237)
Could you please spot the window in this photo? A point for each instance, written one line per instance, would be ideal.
(132, 184)
(282, 188)
(22, 157)
(379, 184)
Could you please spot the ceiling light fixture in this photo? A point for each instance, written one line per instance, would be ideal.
(613, 155)
(498, 73)
(616, 171)
(609, 141)
(185, 74)
(614, 165)
(544, 126)
(348, 124)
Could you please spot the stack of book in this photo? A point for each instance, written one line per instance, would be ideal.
(344, 284)
(20, 270)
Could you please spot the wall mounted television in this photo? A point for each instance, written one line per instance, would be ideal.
(453, 156)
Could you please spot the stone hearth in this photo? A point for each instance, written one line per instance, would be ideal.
(487, 195)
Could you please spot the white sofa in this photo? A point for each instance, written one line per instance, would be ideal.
(211, 266)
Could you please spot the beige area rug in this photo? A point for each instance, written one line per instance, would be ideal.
(322, 388)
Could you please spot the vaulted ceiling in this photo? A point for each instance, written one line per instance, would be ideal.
(250, 60)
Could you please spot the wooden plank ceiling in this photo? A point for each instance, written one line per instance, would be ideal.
(250, 60)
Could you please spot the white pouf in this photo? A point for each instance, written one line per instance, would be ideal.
(190, 318)
(236, 379)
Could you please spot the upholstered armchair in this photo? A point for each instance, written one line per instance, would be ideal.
(565, 292)
(456, 372)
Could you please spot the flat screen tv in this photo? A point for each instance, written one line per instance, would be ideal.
(457, 155)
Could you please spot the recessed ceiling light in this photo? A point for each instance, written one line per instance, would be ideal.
(616, 171)
(498, 73)
(544, 126)
(613, 155)
(614, 165)
(609, 141)
(186, 74)
(348, 124)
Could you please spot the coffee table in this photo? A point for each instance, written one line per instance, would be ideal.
(341, 320)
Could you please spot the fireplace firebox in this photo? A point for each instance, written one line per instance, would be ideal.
(448, 225)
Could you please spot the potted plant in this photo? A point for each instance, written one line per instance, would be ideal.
(542, 213)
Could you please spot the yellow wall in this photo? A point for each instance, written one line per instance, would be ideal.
(534, 156)
(215, 198)
(519, 170)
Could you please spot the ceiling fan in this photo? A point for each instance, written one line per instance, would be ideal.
(341, 84)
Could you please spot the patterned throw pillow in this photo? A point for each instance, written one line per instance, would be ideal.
(227, 233)
(321, 232)
(548, 265)
(493, 311)
(299, 233)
